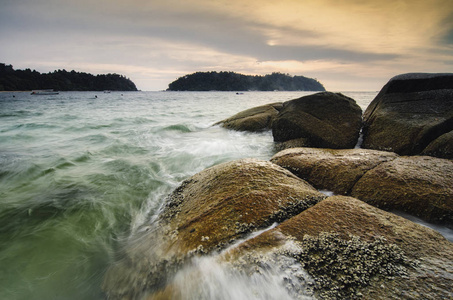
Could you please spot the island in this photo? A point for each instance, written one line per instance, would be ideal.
(61, 80)
(231, 81)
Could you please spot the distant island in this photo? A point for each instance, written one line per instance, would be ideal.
(231, 81)
(61, 80)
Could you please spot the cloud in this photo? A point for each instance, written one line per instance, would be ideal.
(321, 38)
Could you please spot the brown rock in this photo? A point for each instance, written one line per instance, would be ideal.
(207, 212)
(327, 120)
(296, 143)
(254, 119)
(441, 147)
(353, 250)
(418, 185)
(329, 169)
(410, 112)
(223, 202)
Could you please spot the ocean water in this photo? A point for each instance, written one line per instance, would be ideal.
(81, 171)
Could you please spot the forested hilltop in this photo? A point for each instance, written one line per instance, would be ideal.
(61, 80)
(231, 81)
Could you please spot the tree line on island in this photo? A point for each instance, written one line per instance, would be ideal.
(231, 81)
(61, 80)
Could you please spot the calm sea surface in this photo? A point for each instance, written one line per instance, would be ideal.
(79, 174)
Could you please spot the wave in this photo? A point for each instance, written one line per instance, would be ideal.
(134, 120)
(93, 138)
(31, 126)
(83, 158)
(119, 149)
(178, 127)
(79, 176)
(20, 113)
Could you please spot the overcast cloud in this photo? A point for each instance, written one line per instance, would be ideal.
(346, 45)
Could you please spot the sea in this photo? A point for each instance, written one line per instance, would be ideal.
(80, 172)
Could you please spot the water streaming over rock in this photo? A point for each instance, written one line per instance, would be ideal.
(80, 174)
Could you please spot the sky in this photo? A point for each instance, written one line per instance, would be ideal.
(347, 45)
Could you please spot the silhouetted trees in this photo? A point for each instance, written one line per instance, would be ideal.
(61, 80)
(231, 81)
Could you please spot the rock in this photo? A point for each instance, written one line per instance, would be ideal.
(336, 170)
(224, 202)
(296, 143)
(253, 119)
(206, 213)
(418, 185)
(441, 147)
(352, 250)
(327, 120)
(410, 112)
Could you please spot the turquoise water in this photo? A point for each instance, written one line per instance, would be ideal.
(79, 174)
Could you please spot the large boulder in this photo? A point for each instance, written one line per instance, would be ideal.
(350, 250)
(254, 119)
(410, 112)
(335, 170)
(206, 213)
(325, 120)
(224, 202)
(418, 185)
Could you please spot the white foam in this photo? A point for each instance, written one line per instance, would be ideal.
(327, 193)
(213, 278)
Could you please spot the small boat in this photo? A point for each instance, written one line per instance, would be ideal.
(44, 92)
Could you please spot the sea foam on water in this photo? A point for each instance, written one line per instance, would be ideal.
(79, 175)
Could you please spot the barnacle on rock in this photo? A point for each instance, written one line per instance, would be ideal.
(340, 267)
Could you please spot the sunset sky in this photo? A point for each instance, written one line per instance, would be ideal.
(347, 45)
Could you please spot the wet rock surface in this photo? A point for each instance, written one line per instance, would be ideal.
(419, 185)
(441, 147)
(223, 202)
(330, 248)
(410, 112)
(254, 119)
(326, 120)
(206, 213)
(331, 169)
(352, 250)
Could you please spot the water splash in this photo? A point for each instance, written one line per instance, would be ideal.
(208, 278)
(78, 175)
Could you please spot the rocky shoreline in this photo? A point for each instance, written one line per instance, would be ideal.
(349, 245)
